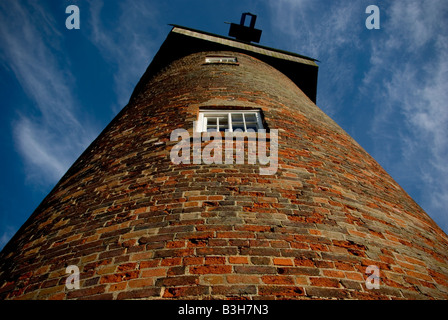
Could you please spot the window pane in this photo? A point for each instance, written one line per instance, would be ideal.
(211, 124)
(223, 123)
(224, 120)
(237, 117)
(250, 117)
(211, 121)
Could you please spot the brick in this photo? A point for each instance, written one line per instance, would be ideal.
(57, 296)
(74, 294)
(117, 287)
(142, 256)
(173, 253)
(104, 296)
(178, 281)
(139, 294)
(238, 260)
(301, 280)
(416, 261)
(194, 243)
(343, 266)
(157, 272)
(326, 293)
(149, 239)
(217, 251)
(212, 269)
(118, 277)
(237, 290)
(139, 283)
(278, 280)
(235, 234)
(191, 204)
(298, 271)
(140, 210)
(193, 260)
(253, 228)
(354, 276)
(350, 284)
(304, 262)
(175, 244)
(196, 198)
(178, 292)
(215, 260)
(318, 247)
(215, 198)
(260, 251)
(255, 269)
(212, 280)
(112, 253)
(194, 235)
(333, 273)
(149, 263)
(281, 291)
(283, 262)
(171, 261)
(243, 279)
(127, 266)
(175, 271)
(324, 282)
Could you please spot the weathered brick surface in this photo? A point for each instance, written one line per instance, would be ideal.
(141, 227)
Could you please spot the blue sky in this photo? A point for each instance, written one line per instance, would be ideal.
(59, 88)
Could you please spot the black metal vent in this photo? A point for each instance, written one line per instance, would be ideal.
(243, 33)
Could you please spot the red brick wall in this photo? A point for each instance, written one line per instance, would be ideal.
(139, 226)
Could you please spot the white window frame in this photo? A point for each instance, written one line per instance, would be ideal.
(221, 59)
(201, 125)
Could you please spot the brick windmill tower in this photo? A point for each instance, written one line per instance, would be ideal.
(145, 214)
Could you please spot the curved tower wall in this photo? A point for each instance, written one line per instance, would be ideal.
(139, 226)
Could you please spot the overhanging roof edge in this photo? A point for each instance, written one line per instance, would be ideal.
(247, 45)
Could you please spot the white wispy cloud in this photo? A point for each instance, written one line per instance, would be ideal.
(47, 133)
(404, 81)
(412, 62)
(325, 30)
(127, 44)
(319, 28)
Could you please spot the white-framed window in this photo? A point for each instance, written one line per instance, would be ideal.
(221, 59)
(229, 120)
